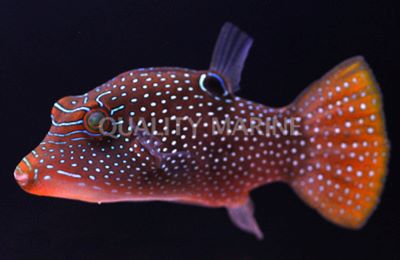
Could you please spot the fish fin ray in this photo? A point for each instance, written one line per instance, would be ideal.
(347, 158)
(162, 160)
(243, 218)
(178, 162)
(230, 53)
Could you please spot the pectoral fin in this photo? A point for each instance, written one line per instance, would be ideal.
(172, 162)
(243, 218)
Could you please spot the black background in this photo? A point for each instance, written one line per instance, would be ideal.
(50, 49)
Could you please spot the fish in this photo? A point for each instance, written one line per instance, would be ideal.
(183, 135)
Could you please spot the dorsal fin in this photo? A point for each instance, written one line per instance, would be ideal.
(230, 53)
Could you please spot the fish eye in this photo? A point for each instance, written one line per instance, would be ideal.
(213, 84)
(94, 120)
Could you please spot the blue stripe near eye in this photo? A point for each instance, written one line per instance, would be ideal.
(65, 110)
(78, 122)
(52, 142)
(100, 96)
(114, 110)
(79, 139)
(74, 132)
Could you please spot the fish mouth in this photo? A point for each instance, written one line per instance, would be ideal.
(21, 177)
(24, 173)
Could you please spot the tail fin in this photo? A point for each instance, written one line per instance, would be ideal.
(346, 154)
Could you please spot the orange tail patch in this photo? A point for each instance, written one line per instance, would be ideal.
(347, 151)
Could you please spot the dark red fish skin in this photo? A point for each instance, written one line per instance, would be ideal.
(337, 163)
(222, 170)
(181, 135)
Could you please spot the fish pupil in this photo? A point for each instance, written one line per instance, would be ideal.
(94, 120)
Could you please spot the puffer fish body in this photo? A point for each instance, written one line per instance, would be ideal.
(200, 144)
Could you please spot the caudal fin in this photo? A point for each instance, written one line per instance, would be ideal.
(346, 153)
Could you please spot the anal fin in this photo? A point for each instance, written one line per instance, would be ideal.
(243, 218)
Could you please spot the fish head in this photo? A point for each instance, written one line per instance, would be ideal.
(59, 165)
(91, 152)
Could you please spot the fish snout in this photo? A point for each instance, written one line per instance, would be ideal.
(25, 174)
